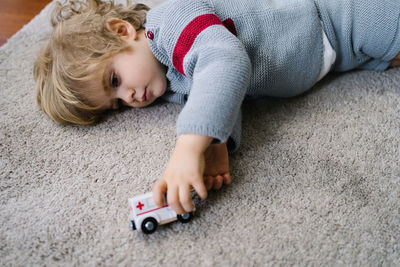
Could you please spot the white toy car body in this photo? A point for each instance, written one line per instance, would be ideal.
(145, 216)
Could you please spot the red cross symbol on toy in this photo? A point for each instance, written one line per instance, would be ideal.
(140, 205)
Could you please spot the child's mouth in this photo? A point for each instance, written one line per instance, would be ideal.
(145, 96)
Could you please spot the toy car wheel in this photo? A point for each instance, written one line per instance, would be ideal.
(185, 217)
(149, 225)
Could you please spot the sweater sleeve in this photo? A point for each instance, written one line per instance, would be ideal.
(193, 40)
(220, 69)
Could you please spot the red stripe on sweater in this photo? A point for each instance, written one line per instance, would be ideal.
(188, 35)
(230, 25)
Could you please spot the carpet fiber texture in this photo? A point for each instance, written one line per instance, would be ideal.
(315, 182)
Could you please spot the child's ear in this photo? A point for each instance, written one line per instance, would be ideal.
(121, 28)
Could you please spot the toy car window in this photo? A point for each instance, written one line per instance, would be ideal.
(150, 204)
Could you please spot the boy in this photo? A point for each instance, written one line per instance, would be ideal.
(210, 56)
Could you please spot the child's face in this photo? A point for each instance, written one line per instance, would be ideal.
(133, 78)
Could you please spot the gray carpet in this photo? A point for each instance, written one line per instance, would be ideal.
(316, 181)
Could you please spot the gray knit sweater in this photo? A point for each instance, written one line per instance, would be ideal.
(218, 52)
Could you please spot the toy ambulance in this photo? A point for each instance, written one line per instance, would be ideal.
(145, 216)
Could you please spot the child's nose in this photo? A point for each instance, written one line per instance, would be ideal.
(129, 95)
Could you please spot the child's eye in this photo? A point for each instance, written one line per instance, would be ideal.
(114, 80)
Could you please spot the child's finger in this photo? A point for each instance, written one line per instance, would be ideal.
(185, 198)
(173, 200)
(227, 178)
(209, 180)
(159, 188)
(218, 182)
(200, 188)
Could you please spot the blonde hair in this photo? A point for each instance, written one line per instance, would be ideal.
(75, 55)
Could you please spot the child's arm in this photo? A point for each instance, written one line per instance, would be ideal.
(183, 173)
(203, 50)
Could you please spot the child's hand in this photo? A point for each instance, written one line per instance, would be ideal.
(216, 172)
(184, 172)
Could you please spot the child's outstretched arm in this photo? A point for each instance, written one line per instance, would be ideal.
(202, 49)
(183, 173)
